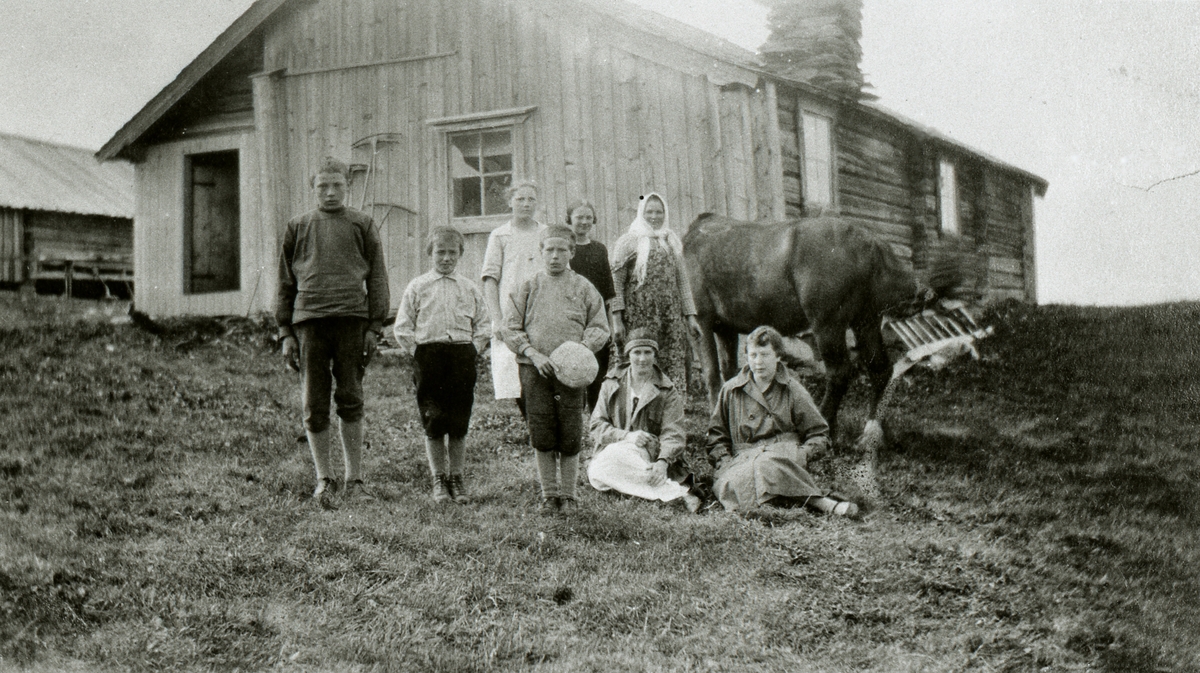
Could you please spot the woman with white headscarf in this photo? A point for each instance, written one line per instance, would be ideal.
(652, 288)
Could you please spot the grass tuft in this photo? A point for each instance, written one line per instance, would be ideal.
(1038, 513)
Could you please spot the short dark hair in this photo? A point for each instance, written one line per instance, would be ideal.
(445, 233)
(764, 335)
(331, 165)
(558, 231)
(576, 205)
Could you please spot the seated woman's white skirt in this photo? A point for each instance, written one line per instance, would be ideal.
(625, 467)
(764, 471)
(506, 376)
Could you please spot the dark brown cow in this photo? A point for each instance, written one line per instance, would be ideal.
(821, 273)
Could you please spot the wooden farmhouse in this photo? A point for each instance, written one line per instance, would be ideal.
(439, 105)
(66, 220)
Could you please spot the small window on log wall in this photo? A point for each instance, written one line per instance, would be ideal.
(211, 239)
(818, 159)
(947, 197)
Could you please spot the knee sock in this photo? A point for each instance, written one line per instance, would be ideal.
(569, 467)
(318, 442)
(547, 473)
(352, 438)
(821, 504)
(435, 451)
(457, 449)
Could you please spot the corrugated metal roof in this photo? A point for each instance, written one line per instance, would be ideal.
(38, 175)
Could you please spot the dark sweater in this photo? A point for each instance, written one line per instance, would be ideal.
(331, 264)
(591, 262)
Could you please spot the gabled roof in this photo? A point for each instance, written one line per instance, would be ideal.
(621, 11)
(674, 31)
(171, 94)
(38, 175)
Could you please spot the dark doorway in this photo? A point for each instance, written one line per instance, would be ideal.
(211, 236)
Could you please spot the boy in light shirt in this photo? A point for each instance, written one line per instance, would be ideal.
(443, 322)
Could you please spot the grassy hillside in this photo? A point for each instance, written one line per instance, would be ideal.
(1040, 513)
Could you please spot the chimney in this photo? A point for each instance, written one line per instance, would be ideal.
(817, 42)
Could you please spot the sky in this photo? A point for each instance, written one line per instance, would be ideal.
(1101, 98)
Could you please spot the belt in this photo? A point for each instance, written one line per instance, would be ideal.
(781, 438)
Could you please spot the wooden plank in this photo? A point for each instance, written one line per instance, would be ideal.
(550, 162)
(775, 151)
(759, 153)
(607, 197)
(667, 181)
(1030, 250)
(575, 168)
(695, 128)
(12, 256)
(748, 152)
(735, 145)
(633, 178)
(1004, 265)
(719, 195)
(857, 185)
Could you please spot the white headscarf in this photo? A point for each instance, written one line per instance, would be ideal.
(641, 230)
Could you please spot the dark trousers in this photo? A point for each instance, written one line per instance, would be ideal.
(445, 376)
(593, 389)
(331, 349)
(553, 412)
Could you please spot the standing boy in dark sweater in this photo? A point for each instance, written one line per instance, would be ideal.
(333, 298)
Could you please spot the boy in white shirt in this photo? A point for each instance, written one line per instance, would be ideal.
(443, 322)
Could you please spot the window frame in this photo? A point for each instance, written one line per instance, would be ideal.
(481, 174)
(806, 171)
(947, 187)
(512, 120)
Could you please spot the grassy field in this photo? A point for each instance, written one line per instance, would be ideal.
(1040, 514)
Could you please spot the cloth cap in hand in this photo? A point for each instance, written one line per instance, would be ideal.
(575, 365)
(638, 338)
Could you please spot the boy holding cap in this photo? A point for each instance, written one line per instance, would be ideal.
(553, 307)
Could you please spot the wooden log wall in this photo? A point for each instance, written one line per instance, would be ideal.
(791, 173)
(887, 179)
(1010, 269)
(875, 182)
(71, 236)
(12, 252)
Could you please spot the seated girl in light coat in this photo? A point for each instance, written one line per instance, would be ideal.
(763, 431)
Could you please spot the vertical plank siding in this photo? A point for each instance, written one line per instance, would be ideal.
(157, 243)
(616, 114)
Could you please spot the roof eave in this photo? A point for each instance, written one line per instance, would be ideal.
(226, 42)
(874, 109)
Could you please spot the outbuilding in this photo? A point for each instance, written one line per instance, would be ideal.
(439, 105)
(66, 220)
